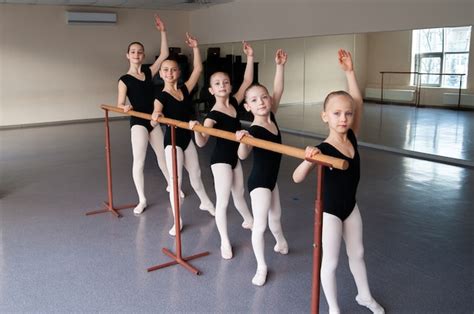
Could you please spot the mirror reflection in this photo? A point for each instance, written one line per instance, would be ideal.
(422, 102)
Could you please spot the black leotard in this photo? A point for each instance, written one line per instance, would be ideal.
(266, 164)
(340, 186)
(225, 151)
(179, 110)
(140, 95)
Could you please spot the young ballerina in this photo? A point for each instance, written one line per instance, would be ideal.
(175, 102)
(225, 165)
(341, 218)
(262, 182)
(137, 85)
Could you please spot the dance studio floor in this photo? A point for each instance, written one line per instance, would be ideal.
(418, 229)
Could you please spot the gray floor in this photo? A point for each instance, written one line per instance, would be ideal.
(418, 228)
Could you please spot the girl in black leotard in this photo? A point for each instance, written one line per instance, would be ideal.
(176, 103)
(341, 218)
(137, 85)
(225, 165)
(262, 183)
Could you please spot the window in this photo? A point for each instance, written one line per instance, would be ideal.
(441, 51)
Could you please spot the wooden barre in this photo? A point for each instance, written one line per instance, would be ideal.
(279, 148)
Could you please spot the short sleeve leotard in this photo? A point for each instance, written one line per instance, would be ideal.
(141, 97)
(179, 110)
(266, 164)
(225, 151)
(340, 186)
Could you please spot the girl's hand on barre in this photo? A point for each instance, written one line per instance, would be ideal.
(193, 123)
(241, 133)
(156, 115)
(127, 108)
(311, 151)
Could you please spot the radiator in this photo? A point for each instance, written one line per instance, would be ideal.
(452, 99)
(390, 94)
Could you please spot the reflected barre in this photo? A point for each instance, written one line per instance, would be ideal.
(279, 148)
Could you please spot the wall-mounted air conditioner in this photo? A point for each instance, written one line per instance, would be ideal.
(91, 18)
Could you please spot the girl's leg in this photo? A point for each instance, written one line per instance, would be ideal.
(238, 191)
(191, 163)
(179, 165)
(331, 241)
(156, 142)
(139, 138)
(261, 200)
(274, 222)
(352, 234)
(222, 183)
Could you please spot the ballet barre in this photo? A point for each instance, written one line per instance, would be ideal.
(321, 161)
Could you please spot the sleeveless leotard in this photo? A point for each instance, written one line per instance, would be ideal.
(141, 97)
(225, 151)
(179, 110)
(266, 164)
(340, 186)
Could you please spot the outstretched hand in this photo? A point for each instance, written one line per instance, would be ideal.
(160, 25)
(345, 60)
(248, 50)
(193, 123)
(191, 41)
(281, 57)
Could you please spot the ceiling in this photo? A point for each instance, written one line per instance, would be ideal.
(186, 5)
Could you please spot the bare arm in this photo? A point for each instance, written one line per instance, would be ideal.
(157, 110)
(201, 138)
(346, 63)
(164, 50)
(305, 167)
(244, 149)
(122, 97)
(278, 83)
(197, 63)
(248, 74)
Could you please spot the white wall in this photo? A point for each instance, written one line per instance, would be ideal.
(271, 19)
(52, 71)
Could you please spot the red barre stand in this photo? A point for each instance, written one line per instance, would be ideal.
(317, 244)
(109, 205)
(178, 258)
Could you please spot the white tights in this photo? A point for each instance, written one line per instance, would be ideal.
(189, 159)
(227, 181)
(333, 231)
(140, 139)
(266, 206)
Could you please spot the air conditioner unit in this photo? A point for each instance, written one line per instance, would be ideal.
(91, 18)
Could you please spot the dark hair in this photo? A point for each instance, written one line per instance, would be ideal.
(225, 73)
(135, 43)
(337, 93)
(252, 86)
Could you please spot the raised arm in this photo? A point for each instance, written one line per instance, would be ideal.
(164, 50)
(248, 74)
(346, 63)
(197, 63)
(278, 84)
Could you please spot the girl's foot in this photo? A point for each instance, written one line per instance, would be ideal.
(181, 193)
(281, 247)
(172, 231)
(247, 224)
(139, 208)
(260, 277)
(226, 251)
(209, 207)
(371, 304)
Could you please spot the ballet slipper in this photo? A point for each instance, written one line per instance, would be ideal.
(139, 208)
(281, 248)
(226, 251)
(247, 224)
(172, 231)
(371, 304)
(260, 277)
(209, 207)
